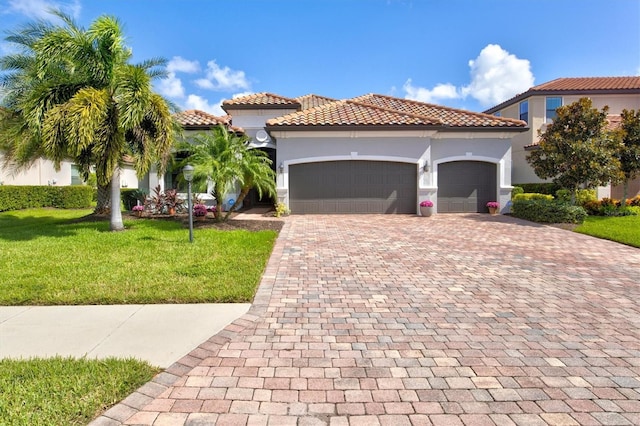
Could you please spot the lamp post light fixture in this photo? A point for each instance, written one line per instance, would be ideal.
(187, 172)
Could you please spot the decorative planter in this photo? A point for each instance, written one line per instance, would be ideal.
(200, 218)
(172, 211)
(493, 210)
(426, 211)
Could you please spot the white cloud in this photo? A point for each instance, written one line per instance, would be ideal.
(496, 75)
(171, 86)
(198, 102)
(39, 9)
(223, 79)
(439, 92)
(179, 64)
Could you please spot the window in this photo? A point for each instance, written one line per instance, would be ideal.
(76, 179)
(553, 103)
(497, 114)
(524, 111)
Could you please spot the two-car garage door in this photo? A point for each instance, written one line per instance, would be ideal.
(353, 187)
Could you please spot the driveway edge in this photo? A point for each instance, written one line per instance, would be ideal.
(135, 402)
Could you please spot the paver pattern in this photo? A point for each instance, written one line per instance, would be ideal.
(403, 320)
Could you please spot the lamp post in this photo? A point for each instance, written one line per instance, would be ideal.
(187, 172)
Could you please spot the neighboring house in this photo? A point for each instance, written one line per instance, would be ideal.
(42, 172)
(537, 106)
(379, 154)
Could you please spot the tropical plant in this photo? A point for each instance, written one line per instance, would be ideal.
(225, 159)
(577, 149)
(72, 93)
(629, 153)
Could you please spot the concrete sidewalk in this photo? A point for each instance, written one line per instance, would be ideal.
(159, 334)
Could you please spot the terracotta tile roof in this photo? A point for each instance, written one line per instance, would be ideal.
(196, 119)
(590, 83)
(265, 100)
(383, 111)
(448, 116)
(576, 86)
(312, 101)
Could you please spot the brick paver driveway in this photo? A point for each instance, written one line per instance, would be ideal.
(398, 320)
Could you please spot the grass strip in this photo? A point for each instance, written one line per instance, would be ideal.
(66, 391)
(622, 229)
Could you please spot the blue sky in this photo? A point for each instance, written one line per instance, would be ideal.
(469, 54)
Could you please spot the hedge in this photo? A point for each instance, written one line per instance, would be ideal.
(549, 188)
(547, 211)
(533, 196)
(14, 197)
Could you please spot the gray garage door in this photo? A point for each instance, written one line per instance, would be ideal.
(466, 186)
(352, 187)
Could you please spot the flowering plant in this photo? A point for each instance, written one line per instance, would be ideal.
(212, 209)
(137, 209)
(426, 203)
(199, 210)
(493, 204)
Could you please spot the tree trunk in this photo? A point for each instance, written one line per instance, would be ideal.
(104, 199)
(116, 212)
(625, 192)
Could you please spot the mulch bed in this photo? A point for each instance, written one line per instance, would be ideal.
(269, 222)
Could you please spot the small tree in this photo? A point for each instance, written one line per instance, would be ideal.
(629, 153)
(225, 158)
(577, 149)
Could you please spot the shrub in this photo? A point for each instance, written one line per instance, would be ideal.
(609, 207)
(583, 196)
(130, 197)
(199, 210)
(516, 190)
(282, 210)
(549, 188)
(15, 197)
(547, 211)
(533, 196)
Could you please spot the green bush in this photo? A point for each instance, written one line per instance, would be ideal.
(13, 197)
(533, 196)
(583, 196)
(549, 188)
(516, 191)
(130, 197)
(547, 211)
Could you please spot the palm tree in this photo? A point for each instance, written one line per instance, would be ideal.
(225, 159)
(73, 94)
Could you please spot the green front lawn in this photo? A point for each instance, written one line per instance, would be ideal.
(624, 229)
(65, 391)
(49, 257)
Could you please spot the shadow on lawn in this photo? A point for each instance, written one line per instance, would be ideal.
(17, 228)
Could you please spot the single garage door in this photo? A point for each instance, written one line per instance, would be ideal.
(466, 186)
(353, 187)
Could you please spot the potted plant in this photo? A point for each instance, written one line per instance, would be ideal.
(493, 207)
(138, 210)
(426, 208)
(172, 201)
(200, 211)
